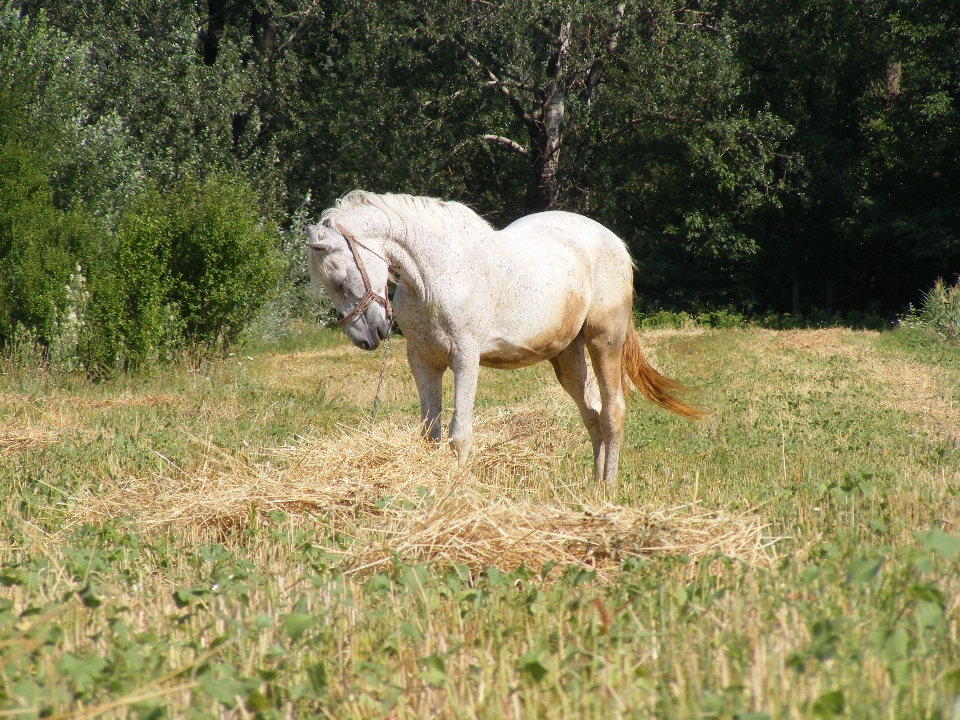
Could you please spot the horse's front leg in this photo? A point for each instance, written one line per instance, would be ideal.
(466, 369)
(429, 379)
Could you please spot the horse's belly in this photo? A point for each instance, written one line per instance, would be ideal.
(502, 360)
(529, 333)
(504, 354)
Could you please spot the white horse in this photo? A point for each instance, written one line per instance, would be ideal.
(551, 286)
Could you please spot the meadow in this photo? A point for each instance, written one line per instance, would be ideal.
(231, 538)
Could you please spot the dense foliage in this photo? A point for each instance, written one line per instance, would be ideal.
(755, 155)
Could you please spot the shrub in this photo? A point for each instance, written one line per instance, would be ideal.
(293, 298)
(39, 245)
(665, 319)
(223, 258)
(724, 318)
(939, 311)
(188, 267)
(130, 285)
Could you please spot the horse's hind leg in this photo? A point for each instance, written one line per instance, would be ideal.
(575, 376)
(606, 350)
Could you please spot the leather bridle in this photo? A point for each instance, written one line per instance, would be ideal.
(369, 296)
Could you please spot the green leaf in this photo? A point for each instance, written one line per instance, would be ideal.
(257, 701)
(297, 623)
(862, 570)
(943, 544)
(262, 621)
(952, 678)
(10, 577)
(436, 671)
(828, 705)
(896, 645)
(414, 577)
(928, 592)
(547, 567)
(184, 596)
(585, 576)
(712, 705)
(317, 678)
(900, 673)
(410, 631)
(531, 664)
(929, 614)
(88, 594)
(25, 692)
(82, 671)
(378, 583)
(877, 525)
(223, 690)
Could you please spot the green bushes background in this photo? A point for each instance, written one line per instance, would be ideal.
(782, 163)
(98, 279)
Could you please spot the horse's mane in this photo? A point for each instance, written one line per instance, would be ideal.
(409, 210)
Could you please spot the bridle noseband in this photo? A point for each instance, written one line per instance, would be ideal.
(369, 296)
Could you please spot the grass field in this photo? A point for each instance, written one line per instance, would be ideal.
(232, 540)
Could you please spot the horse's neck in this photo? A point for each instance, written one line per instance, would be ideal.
(425, 258)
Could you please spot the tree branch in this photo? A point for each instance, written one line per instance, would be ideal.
(303, 22)
(495, 82)
(596, 67)
(508, 143)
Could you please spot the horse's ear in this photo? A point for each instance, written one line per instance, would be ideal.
(314, 242)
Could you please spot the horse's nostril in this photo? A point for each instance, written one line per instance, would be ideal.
(364, 344)
(340, 316)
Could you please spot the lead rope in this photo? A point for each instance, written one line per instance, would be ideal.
(383, 370)
(368, 297)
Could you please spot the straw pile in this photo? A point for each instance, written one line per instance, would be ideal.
(19, 440)
(398, 496)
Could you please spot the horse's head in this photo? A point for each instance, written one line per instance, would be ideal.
(355, 278)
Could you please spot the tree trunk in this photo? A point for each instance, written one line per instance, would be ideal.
(546, 134)
(210, 34)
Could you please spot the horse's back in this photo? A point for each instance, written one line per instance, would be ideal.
(559, 226)
(573, 246)
(551, 271)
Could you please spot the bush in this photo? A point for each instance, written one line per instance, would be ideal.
(294, 300)
(190, 267)
(39, 245)
(130, 284)
(664, 319)
(223, 258)
(939, 312)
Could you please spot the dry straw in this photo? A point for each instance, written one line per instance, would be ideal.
(14, 441)
(397, 496)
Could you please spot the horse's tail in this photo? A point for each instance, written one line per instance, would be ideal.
(656, 388)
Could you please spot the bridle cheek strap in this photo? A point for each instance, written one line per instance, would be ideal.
(369, 296)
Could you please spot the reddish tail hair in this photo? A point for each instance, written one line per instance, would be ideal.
(656, 388)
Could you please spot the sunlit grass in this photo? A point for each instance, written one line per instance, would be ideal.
(846, 444)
